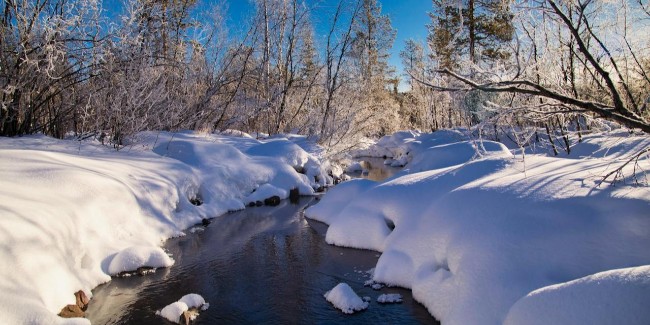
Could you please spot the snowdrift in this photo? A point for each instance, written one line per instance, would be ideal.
(73, 213)
(471, 229)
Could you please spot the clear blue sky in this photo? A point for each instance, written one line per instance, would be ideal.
(408, 17)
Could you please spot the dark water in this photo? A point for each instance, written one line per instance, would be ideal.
(266, 265)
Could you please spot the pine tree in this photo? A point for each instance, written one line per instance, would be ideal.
(373, 39)
(476, 29)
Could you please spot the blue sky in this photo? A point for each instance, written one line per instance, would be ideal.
(408, 17)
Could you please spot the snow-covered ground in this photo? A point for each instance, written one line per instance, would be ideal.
(73, 213)
(482, 236)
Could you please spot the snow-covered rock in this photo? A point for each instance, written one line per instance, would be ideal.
(264, 192)
(174, 311)
(132, 258)
(344, 298)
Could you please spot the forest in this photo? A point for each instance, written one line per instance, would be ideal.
(75, 68)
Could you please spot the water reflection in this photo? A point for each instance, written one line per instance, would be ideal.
(378, 171)
(266, 265)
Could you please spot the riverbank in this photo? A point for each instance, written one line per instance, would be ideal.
(69, 207)
(483, 236)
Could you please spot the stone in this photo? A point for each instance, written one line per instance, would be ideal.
(71, 311)
(272, 201)
(205, 222)
(186, 317)
(82, 299)
(294, 195)
(259, 203)
(144, 270)
(197, 201)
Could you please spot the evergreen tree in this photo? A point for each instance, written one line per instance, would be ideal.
(373, 39)
(476, 29)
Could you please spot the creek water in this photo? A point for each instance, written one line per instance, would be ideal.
(378, 171)
(262, 265)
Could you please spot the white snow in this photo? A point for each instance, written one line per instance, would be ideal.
(130, 259)
(477, 229)
(193, 300)
(264, 192)
(73, 213)
(389, 298)
(344, 298)
(174, 311)
(480, 235)
(612, 297)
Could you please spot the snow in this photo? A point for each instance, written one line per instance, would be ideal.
(479, 234)
(130, 259)
(477, 228)
(174, 311)
(344, 298)
(611, 297)
(264, 192)
(193, 300)
(73, 213)
(389, 298)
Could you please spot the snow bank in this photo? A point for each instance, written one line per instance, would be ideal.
(344, 298)
(72, 213)
(611, 297)
(401, 144)
(175, 310)
(475, 229)
(229, 175)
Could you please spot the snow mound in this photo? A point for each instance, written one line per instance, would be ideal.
(132, 258)
(290, 152)
(389, 298)
(475, 229)
(345, 299)
(264, 192)
(613, 297)
(448, 155)
(193, 300)
(400, 144)
(235, 133)
(388, 145)
(332, 203)
(229, 175)
(175, 310)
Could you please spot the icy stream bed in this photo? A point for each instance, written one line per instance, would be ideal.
(260, 265)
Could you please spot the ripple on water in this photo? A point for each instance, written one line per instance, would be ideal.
(265, 265)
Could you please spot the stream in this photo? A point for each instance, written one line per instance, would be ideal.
(261, 265)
